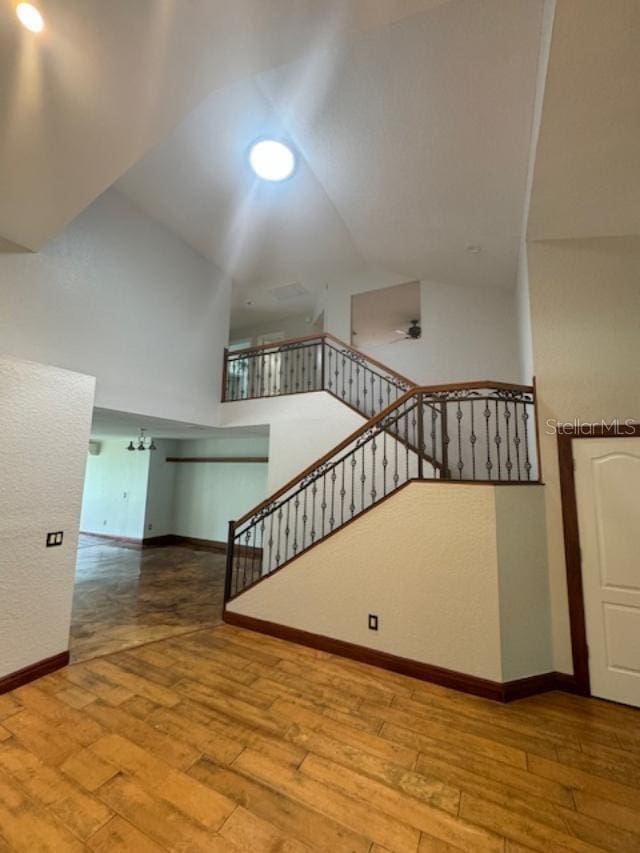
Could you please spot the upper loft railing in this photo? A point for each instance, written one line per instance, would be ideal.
(313, 363)
(472, 432)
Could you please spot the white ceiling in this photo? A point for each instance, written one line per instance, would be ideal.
(108, 423)
(108, 79)
(413, 142)
(587, 172)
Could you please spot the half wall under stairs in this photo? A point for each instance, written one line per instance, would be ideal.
(455, 573)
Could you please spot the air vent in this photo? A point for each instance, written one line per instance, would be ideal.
(288, 292)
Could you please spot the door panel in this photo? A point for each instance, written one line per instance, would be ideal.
(608, 497)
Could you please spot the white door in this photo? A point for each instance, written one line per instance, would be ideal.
(607, 473)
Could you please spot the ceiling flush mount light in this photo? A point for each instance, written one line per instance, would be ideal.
(30, 17)
(474, 248)
(143, 443)
(272, 160)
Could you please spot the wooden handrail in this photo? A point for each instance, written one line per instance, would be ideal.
(323, 336)
(276, 344)
(424, 389)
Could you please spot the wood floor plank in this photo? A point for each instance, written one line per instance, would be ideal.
(221, 739)
(249, 832)
(159, 820)
(537, 836)
(293, 818)
(575, 777)
(424, 788)
(437, 730)
(175, 751)
(368, 742)
(377, 826)
(411, 812)
(121, 835)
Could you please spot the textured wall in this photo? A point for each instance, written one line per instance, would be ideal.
(432, 580)
(585, 316)
(118, 296)
(45, 417)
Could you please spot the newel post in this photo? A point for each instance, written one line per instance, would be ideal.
(229, 573)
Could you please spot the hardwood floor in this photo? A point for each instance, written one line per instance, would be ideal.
(227, 740)
(124, 596)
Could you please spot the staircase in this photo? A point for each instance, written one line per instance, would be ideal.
(480, 432)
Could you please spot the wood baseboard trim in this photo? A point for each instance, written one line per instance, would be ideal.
(500, 692)
(125, 541)
(162, 541)
(192, 541)
(35, 670)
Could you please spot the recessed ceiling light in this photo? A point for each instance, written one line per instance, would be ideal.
(272, 160)
(30, 17)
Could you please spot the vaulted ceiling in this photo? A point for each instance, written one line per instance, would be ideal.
(411, 120)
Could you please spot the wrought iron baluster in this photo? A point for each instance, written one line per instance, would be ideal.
(314, 492)
(296, 505)
(385, 462)
(363, 479)
(507, 418)
(332, 517)
(343, 372)
(353, 464)
(420, 438)
(329, 373)
(343, 493)
(498, 441)
(270, 544)
(396, 443)
(406, 440)
(460, 463)
(516, 439)
(323, 505)
(287, 531)
(357, 384)
(473, 439)
(351, 380)
(525, 420)
(487, 418)
(305, 518)
(278, 552)
(374, 447)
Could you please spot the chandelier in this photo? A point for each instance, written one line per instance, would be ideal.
(143, 442)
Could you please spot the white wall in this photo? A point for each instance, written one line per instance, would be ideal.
(158, 518)
(467, 333)
(120, 297)
(45, 417)
(585, 308)
(209, 495)
(115, 491)
(302, 427)
(525, 616)
(434, 583)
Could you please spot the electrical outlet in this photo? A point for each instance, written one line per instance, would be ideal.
(54, 539)
(151, 527)
(373, 622)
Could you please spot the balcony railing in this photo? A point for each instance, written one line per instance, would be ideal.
(315, 363)
(482, 432)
